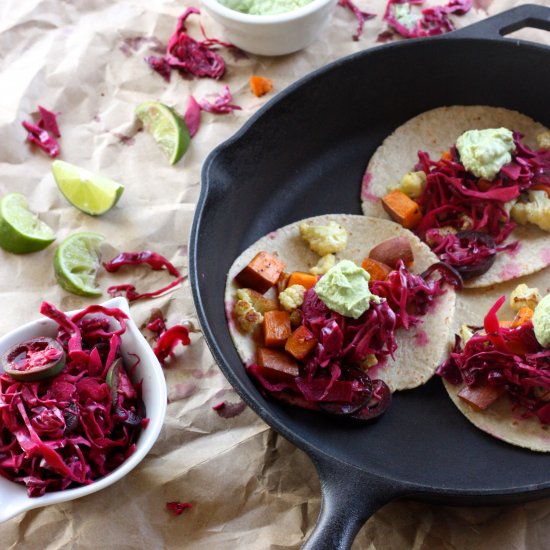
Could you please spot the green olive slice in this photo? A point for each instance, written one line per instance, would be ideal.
(34, 359)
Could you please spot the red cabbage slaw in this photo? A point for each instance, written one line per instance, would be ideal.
(154, 260)
(72, 428)
(332, 372)
(455, 198)
(429, 21)
(188, 55)
(504, 357)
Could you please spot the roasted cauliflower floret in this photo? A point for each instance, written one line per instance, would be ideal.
(292, 297)
(323, 265)
(324, 239)
(258, 301)
(413, 183)
(249, 319)
(543, 140)
(536, 210)
(523, 296)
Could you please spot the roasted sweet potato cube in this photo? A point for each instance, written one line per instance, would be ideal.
(402, 209)
(277, 365)
(378, 271)
(307, 280)
(276, 328)
(261, 273)
(300, 343)
(480, 397)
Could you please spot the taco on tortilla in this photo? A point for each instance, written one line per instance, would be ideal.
(498, 374)
(332, 313)
(474, 183)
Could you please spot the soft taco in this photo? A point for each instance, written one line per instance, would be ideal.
(498, 373)
(321, 321)
(474, 183)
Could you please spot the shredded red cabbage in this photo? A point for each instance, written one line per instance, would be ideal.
(455, 198)
(72, 428)
(188, 55)
(177, 507)
(168, 340)
(430, 21)
(409, 296)
(360, 15)
(147, 257)
(44, 132)
(221, 105)
(504, 357)
(192, 116)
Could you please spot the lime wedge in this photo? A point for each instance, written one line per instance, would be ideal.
(89, 192)
(167, 128)
(76, 263)
(21, 231)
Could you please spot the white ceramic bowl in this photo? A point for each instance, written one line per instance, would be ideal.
(13, 496)
(273, 34)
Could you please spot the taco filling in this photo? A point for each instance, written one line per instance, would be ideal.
(478, 194)
(503, 368)
(465, 204)
(318, 320)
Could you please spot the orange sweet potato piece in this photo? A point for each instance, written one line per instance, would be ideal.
(307, 280)
(522, 316)
(402, 209)
(482, 397)
(505, 324)
(261, 273)
(276, 328)
(260, 85)
(277, 366)
(446, 155)
(300, 343)
(392, 250)
(378, 271)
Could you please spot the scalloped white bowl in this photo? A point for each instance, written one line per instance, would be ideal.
(279, 34)
(13, 496)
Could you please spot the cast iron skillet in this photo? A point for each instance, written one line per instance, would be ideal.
(304, 154)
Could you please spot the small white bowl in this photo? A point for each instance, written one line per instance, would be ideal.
(279, 34)
(13, 496)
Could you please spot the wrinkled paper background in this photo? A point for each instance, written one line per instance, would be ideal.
(249, 487)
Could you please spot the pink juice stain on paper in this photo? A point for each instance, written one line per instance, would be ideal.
(181, 391)
(365, 193)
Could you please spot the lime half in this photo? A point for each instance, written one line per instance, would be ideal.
(167, 128)
(20, 229)
(89, 192)
(76, 263)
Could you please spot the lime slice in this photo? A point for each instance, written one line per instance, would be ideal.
(167, 128)
(76, 263)
(89, 192)
(21, 231)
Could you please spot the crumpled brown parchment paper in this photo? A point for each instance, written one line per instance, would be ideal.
(250, 489)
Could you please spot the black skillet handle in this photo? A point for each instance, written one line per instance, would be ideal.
(349, 497)
(497, 26)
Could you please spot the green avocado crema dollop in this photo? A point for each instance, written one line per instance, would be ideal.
(264, 7)
(344, 288)
(485, 152)
(541, 322)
